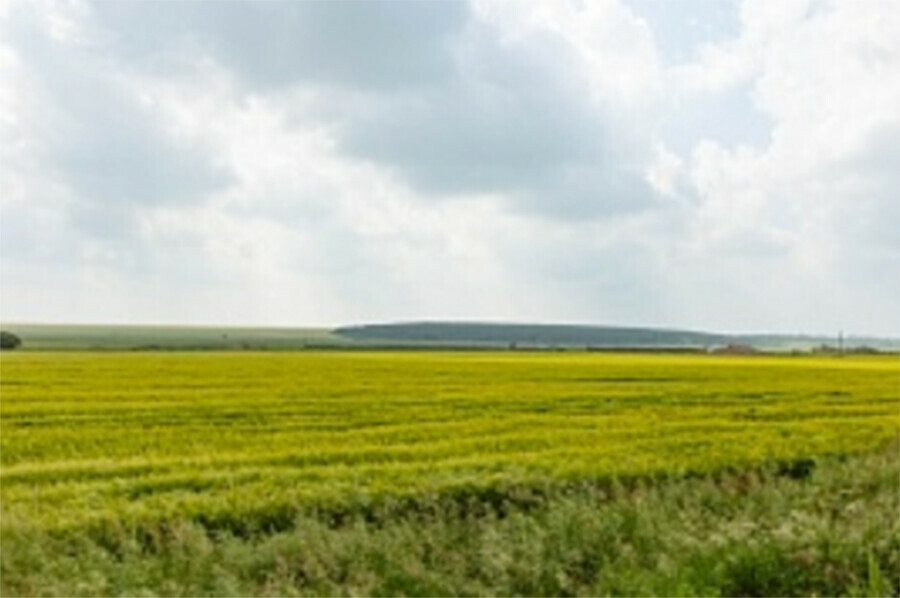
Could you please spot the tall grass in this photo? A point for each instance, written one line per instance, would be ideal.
(759, 532)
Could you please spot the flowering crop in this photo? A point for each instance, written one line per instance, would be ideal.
(248, 440)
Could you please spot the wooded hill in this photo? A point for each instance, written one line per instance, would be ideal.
(568, 336)
(419, 335)
(527, 335)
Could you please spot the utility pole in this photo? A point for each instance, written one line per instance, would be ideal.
(840, 342)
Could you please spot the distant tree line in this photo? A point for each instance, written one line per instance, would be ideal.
(8, 340)
(528, 335)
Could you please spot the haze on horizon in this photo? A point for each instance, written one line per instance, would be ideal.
(705, 165)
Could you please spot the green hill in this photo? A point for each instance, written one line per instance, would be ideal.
(451, 335)
(571, 336)
(526, 335)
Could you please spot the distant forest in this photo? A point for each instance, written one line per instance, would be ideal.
(417, 335)
(527, 335)
(599, 337)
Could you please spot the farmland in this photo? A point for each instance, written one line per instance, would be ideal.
(117, 461)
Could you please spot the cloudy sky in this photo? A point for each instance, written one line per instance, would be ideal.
(692, 163)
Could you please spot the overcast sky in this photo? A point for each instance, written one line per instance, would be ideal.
(693, 163)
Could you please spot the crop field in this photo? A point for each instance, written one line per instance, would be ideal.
(106, 456)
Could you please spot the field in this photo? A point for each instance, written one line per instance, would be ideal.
(87, 337)
(437, 473)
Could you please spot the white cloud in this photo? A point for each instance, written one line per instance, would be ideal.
(828, 78)
(178, 163)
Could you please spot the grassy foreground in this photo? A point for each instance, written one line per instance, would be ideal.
(443, 473)
(757, 533)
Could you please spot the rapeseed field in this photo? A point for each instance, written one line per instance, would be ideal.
(120, 454)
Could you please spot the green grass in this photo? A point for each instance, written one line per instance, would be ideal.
(68, 337)
(443, 473)
(753, 534)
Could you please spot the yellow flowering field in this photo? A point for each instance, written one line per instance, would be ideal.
(92, 440)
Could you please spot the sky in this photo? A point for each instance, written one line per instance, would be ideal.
(701, 164)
